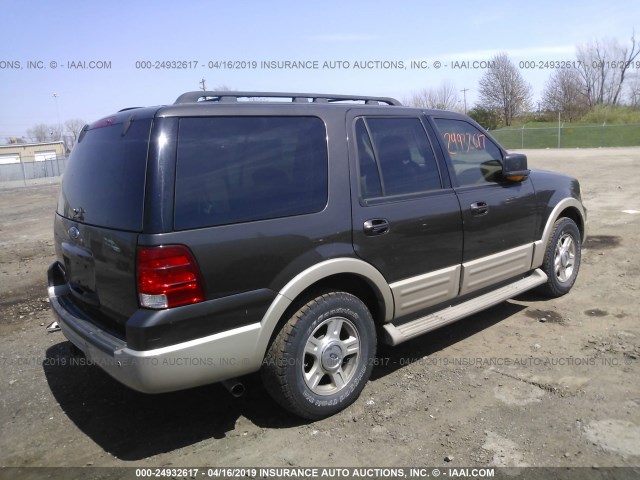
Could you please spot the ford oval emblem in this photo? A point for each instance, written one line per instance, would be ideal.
(74, 233)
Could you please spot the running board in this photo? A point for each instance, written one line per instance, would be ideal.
(396, 334)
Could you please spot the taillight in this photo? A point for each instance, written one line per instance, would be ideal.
(168, 276)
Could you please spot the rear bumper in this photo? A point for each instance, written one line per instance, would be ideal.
(200, 361)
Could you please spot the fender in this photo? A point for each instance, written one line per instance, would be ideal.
(312, 275)
(541, 245)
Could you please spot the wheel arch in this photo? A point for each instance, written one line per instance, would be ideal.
(350, 275)
(574, 214)
(568, 208)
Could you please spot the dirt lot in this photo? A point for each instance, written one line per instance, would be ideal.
(529, 382)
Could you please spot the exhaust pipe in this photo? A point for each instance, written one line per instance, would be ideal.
(234, 386)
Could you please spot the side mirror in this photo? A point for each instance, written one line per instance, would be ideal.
(514, 167)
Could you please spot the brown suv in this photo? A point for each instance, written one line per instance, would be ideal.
(216, 237)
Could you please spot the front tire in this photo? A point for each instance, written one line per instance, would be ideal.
(562, 258)
(323, 356)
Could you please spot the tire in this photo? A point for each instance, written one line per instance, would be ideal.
(562, 258)
(322, 358)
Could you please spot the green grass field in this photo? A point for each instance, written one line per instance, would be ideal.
(545, 135)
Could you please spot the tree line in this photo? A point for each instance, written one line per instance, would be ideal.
(604, 73)
(42, 132)
(70, 130)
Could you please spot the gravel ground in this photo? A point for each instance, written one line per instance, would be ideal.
(530, 382)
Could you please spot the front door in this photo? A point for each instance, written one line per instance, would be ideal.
(498, 215)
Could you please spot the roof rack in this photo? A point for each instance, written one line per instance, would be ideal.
(229, 97)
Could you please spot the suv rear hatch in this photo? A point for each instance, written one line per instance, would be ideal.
(99, 217)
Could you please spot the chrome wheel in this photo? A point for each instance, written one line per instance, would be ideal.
(564, 259)
(331, 356)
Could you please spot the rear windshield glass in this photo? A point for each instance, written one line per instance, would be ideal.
(103, 183)
(240, 169)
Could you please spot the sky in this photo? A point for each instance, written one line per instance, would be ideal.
(359, 48)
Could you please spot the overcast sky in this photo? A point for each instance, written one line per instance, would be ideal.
(381, 37)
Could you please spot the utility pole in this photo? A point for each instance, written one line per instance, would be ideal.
(203, 85)
(559, 130)
(464, 93)
(55, 97)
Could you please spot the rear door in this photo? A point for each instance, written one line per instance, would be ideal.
(406, 217)
(499, 216)
(252, 196)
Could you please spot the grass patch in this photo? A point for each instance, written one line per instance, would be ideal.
(545, 135)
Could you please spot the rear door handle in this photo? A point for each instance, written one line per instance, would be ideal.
(376, 226)
(479, 208)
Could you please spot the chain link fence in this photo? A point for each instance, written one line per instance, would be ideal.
(569, 136)
(31, 171)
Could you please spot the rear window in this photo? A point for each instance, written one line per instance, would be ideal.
(103, 183)
(240, 169)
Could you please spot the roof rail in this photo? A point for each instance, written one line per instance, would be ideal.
(226, 97)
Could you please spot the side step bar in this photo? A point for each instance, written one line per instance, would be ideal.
(396, 334)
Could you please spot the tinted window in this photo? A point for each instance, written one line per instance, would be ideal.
(104, 180)
(476, 159)
(370, 185)
(402, 154)
(239, 169)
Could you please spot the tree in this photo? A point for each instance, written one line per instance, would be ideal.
(445, 97)
(489, 119)
(634, 91)
(45, 133)
(563, 92)
(628, 56)
(38, 133)
(74, 126)
(592, 66)
(55, 133)
(502, 88)
(603, 66)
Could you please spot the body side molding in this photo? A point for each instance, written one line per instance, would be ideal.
(416, 293)
(485, 271)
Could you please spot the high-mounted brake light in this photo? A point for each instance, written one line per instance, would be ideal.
(168, 276)
(105, 122)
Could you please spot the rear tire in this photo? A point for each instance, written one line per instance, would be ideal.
(322, 358)
(562, 258)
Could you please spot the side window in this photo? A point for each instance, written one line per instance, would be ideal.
(476, 159)
(394, 157)
(240, 169)
(370, 185)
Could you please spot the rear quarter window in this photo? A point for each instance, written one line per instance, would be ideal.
(240, 169)
(103, 183)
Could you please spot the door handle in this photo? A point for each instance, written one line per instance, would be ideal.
(479, 209)
(376, 226)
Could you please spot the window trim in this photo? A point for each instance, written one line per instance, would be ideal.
(326, 189)
(375, 161)
(384, 198)
(447, 156)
